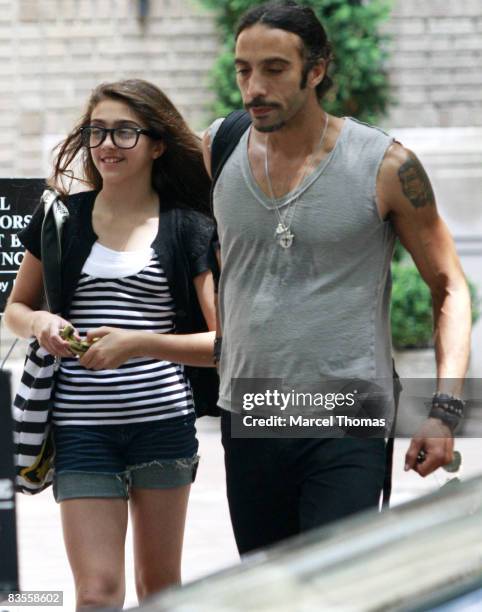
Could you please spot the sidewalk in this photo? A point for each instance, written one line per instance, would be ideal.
(209, 545)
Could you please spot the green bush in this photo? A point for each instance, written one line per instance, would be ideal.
(399, 252)
(361, 86)
(411, 312)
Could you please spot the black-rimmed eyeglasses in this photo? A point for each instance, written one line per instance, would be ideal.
(122, 137)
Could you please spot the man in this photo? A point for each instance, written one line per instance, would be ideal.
(308, 206)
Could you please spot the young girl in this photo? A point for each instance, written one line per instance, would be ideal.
(134, 273)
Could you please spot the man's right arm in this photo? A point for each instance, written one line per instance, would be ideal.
(406, 196)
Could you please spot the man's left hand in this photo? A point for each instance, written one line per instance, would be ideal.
(437, 442)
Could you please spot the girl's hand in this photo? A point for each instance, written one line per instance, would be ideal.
(46, 328)
(111, 348)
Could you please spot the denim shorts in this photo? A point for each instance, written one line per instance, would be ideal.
(109, 460)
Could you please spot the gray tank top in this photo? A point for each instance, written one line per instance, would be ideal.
(319, 309)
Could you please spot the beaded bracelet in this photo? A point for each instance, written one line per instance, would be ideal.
(447, 408)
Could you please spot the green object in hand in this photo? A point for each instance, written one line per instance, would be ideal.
(78, 347)
(454, 465)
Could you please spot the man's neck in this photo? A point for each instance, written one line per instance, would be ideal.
(299, 136)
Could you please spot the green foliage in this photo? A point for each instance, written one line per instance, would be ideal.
(361, 84)
(411, 313)
(399, 253)
(475, 302)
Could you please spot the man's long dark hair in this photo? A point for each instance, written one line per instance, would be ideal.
(300, 20)
(178, 175)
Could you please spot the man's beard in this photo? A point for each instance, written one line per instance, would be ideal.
(266, 129)
(261, 102)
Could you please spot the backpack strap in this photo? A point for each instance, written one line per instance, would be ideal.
(226, 140)
(387, 484)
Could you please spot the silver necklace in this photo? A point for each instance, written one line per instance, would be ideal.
(283, 234)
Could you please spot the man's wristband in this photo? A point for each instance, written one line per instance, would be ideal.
(218, 344)
(448, 409)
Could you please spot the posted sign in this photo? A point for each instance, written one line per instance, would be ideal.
(18, 200)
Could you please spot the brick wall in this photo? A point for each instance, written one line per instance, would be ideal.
(436, 63)
(53, 52)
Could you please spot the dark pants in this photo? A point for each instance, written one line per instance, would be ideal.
(279, 487)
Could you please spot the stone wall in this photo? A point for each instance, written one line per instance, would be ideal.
(53, 52)
(436, 77)
(436, 63)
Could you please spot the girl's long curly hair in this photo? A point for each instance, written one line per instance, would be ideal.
(178, 175)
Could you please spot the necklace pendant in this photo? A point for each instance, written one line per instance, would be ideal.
(281, 229)
(285, 239)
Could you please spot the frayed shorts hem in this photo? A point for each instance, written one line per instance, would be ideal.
(165, 474)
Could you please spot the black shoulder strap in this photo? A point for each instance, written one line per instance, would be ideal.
(56, 214)
(387, 484)
(223, 144)
(226, 139)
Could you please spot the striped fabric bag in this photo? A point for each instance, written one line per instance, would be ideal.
(33, 444)
(32, 406)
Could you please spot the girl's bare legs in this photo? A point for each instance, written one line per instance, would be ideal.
(158, 519)
(94, 535)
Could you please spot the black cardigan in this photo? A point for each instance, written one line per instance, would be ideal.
(182, 244)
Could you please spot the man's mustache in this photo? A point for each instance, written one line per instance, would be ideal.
(259, 102)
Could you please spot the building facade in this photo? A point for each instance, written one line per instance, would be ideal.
(53, 52)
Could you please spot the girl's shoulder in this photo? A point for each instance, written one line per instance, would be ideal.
(196, 229)
(189, 216)
(80, 202)
(188, 221)
(190, 231)
(80, 206)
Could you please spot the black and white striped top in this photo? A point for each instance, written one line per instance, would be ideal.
(127, 290)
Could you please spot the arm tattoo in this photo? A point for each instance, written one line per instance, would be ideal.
(415, 183)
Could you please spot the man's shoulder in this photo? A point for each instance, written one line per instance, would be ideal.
(395, 160)
(368, 130)
(213, 129)
(207, 140)
(210, 132)
(230, 128)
